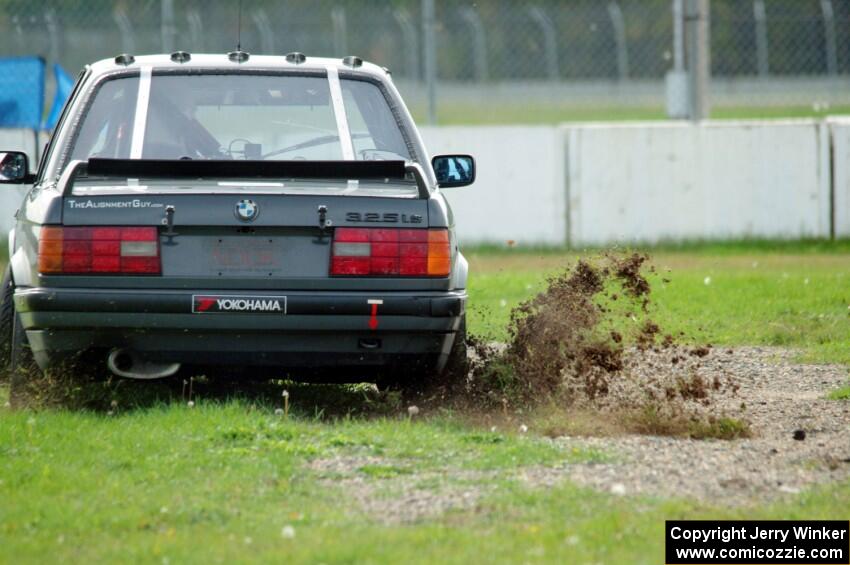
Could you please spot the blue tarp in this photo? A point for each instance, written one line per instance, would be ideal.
(21, 92)
(64, 85)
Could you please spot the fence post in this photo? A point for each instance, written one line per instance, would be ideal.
(829, 37)
(340, 31)
(167, 28)
(411, 42)
(762, 60)
(699, 65)
(678, 36)
(676, 79)
(550, 40)
(430, 55)
(196, 30)
(479, 42)
(261, 20)
(55, 33)
(128, 39)
(619, 25)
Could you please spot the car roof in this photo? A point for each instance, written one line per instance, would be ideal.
(224, 61)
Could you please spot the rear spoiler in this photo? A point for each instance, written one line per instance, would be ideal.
(157, 168)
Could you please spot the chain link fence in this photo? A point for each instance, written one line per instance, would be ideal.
(497, 60)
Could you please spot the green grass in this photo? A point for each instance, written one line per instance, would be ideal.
(745, 293)
(699, 248)
(842, 393)
(383, 471)
(193, 484)
(221, 481)
(496, 114)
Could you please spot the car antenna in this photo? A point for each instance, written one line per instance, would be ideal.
(239, 28)
(238, 56)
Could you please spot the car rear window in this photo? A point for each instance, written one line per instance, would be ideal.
(238, 116)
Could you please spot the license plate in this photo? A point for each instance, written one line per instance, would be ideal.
(238, 304)
(245, 255)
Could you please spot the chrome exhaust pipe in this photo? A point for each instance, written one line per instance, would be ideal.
(128, 364)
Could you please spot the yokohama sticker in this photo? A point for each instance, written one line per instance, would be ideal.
(228, 304)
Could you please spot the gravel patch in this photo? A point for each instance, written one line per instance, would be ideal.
(782, 400)
(404, 498)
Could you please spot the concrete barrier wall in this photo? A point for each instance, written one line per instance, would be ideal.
(839, 135)
(10, 194)
(596, 184)
(519, 193)
(649, 182)
(19, 140)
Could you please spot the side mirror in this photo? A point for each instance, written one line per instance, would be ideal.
(14, 168)
(454, 170)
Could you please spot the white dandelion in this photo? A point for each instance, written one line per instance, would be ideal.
(618, 489)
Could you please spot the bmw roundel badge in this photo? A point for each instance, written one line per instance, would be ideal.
(247, 210)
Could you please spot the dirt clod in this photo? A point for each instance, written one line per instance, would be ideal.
(586, 342)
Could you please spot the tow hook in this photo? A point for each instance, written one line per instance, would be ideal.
(373, 315)
(324, 222)
(169, 221)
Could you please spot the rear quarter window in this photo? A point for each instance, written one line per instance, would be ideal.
(375, 132)
(107, 127)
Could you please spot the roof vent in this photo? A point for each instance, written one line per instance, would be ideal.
(352, 61)
(295, 58)
(181, 57)
(124, 59)
(238, 56)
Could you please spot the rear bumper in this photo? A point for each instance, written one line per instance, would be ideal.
(318, 329)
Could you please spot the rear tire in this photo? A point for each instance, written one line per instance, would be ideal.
(421, 381)
(7, 322)
(457, 366)
(23, 370)
(71, 384)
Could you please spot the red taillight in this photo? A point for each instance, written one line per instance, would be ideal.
(98, 251)
(391, 252)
